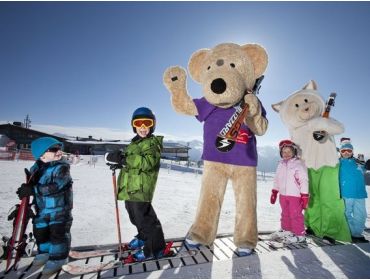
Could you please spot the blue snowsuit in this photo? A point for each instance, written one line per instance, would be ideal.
(353, 191)
(54, 203)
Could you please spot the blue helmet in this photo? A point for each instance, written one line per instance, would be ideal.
(41, 145)
(143, 112)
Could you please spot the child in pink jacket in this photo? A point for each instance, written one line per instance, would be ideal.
(291, 180)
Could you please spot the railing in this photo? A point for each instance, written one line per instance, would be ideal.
(16, 155)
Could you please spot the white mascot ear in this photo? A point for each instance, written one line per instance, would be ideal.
(311, 85)
(277, 106)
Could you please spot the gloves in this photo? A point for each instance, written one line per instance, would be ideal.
(305, 198)
(25, 190)
(115, 159)
(367, 164)
(34, 178)
(273, 196)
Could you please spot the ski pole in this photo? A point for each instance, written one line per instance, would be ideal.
(117, 213)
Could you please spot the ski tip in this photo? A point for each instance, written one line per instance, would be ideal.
(67, 267)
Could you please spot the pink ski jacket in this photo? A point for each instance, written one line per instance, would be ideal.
(291, 178)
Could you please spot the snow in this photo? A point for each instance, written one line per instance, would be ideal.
(175, 202)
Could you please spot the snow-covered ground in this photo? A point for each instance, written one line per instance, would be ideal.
(175, 202)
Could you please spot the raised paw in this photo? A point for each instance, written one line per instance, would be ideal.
(174, 78)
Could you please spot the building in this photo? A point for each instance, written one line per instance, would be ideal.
(23, 137)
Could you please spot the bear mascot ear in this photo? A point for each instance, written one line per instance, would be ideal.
(277, 106)
(311, 85)
(258, 56)
(195, 64)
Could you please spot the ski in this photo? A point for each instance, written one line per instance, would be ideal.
(278, 243)
(75, 254)
(84, 254)
(92, 253)
(17, 243)
(77, 269)
(228, 135)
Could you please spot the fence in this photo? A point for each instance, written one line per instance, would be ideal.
(16, 155)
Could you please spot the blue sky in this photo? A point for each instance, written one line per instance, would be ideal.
(90, 64)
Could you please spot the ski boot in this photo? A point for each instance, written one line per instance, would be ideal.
(40, 259)
(359, 239)
(191, 243)
(3, 244)
(135, 244)
(31, 243)
(139, 256)
(244, 251)
(292, 238)
(279, 235)
(53, 266)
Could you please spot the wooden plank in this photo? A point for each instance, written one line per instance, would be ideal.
(224, 248)
(123, 270)
(188, 260)
(24, 267)
(264, 248)
(230, 243)
(151, 266)
(207, 254)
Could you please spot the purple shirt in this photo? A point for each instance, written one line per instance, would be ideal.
(244, 151)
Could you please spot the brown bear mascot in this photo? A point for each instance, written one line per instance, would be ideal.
(228, 74)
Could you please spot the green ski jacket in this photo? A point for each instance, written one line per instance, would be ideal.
(137, 180)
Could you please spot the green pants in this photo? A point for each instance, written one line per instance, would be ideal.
(325, 214)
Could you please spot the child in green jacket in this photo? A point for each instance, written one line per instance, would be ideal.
(137, 181)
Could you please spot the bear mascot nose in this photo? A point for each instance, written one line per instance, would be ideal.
(218, 86)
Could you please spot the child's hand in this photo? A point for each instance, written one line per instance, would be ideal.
(24, 191)
(305, 198)
(273, 196)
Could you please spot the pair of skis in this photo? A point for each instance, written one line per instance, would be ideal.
(277, 243)
(78, 269)
(17, 244)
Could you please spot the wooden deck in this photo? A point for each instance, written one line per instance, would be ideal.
(222, 249)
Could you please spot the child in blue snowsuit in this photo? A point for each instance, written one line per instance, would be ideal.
(353, 190)
(51, 185)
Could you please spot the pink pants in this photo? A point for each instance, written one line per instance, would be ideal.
(292, 218)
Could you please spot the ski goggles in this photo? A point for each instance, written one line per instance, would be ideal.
(286, 143)
(147, 123)
(54, 149)
(346, 151)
